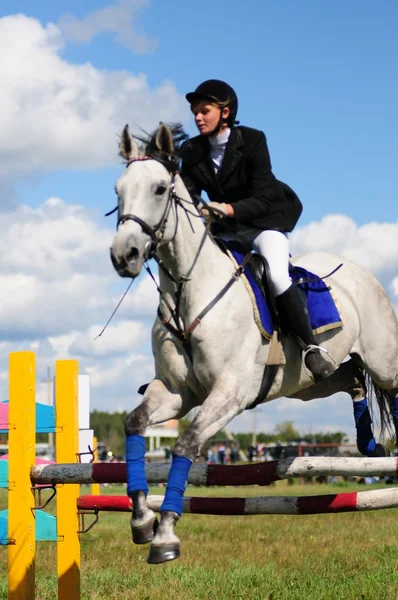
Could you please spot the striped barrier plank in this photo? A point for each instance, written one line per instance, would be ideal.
(267, 505)
(263, 473)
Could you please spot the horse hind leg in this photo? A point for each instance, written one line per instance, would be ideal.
(356, 387)
(383, 391)
(350, 378)
(394, 396)
(366, 442)
(157, 405)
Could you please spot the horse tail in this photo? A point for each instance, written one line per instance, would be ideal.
(384, 402)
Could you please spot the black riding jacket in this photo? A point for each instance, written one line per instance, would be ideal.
(244, 180)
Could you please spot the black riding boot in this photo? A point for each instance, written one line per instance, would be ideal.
(293, 311)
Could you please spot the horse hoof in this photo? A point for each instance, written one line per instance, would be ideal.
(161, 554)
(145, 533)
(380, 450)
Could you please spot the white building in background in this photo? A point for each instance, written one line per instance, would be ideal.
(157, 433)
(45, 394)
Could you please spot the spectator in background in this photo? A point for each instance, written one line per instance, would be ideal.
(212, 455)
(221, 453)
(251, 452)
(234, 453)
(278, 451)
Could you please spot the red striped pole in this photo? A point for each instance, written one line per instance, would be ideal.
(105, 503)
(267, 505)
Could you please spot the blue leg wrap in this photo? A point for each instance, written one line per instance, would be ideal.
(365, 440)
(176, 484)
(135, 459)
(395, 415)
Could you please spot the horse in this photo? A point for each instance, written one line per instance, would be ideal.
(207, 348)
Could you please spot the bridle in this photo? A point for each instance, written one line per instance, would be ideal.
(156, 233)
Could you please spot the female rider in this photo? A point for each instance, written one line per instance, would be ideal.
(232, 165)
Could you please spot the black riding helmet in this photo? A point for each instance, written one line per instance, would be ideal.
(216, 91)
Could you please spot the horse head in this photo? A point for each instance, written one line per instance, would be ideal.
(146, 211)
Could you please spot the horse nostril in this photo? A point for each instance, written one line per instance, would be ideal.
(132, 254)
(114, 260)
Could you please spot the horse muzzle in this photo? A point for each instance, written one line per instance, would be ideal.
(129, 262)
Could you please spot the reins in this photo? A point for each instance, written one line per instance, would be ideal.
(156, 234)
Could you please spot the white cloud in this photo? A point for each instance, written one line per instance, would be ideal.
(373, 245)
(110, 376)
(394, 292)
(54, 264)
(58, 288)
(59, 115)
(119, 19)
(118, 339)
(394, 285)
(53, 239)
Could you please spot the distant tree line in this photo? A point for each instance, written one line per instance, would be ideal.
(109, 429)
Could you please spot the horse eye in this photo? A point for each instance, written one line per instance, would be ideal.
(160, 190)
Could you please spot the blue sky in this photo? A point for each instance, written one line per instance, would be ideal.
(319, 78)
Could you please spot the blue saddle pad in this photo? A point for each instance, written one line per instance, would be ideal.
(321, 306)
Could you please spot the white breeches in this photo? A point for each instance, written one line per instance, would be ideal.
(274, 247)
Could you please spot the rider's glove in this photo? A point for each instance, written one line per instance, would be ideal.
(220, 211)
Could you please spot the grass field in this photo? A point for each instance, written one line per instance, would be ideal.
(351, 556)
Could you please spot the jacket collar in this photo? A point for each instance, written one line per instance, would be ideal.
(198, 153)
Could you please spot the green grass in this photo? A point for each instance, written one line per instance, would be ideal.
(351, 556)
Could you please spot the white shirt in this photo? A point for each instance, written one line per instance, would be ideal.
(218, 143)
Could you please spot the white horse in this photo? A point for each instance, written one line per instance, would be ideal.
(217, 362)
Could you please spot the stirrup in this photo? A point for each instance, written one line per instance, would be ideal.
(311, 348)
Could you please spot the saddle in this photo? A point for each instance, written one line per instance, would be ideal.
(317, 295)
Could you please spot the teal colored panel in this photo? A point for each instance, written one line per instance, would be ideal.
(3, 473)
(3, 527)
(46, 527)
(45, 418)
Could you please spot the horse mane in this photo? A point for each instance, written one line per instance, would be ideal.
(149, 146)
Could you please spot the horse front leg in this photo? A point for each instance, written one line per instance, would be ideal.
(218, 409)
(157, 405)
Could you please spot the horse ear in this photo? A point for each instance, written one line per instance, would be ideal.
(127, 146)
(164, 139)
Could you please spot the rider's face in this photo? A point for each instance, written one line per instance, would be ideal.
(207, 116)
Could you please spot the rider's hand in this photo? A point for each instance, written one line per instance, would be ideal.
(220, 211)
